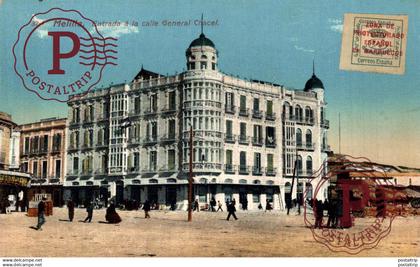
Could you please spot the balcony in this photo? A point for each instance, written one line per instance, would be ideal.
(244, 112)
(168, 139)
(102, 117)
(73, 173)
(87, 172)
(257, 114)
(270, 171)
(151, 112)
(87, 146)
(256, 170)
(230, 109)
(325, 124)
(243, 169)
(101, 145)
(74, 123)
(168, 169)
(134, 141)
(230, 169)
(133, 170)
(305, 146)
(326, 148)
(257, 141)
(101, 171)
(72, 148)
(134, 113)
(270, 142)
(270, 116)
(243, 140)
(230, 138)
(305, 173)
(150, 170)
(169, 109)
(88, 121)
(150, 140)
(203, 167)
(56, 149)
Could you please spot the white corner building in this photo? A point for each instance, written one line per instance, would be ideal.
(131, 141)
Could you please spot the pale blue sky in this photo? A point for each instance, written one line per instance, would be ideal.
(267, 40)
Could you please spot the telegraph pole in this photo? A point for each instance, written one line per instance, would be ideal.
(190, 179)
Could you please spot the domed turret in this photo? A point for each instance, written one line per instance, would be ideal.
(201, 54)
(314, 82)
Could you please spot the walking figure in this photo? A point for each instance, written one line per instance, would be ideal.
(70, 206)
(319, 213)
(146, 208)
(196, 206)
(89, 210)
(212, 204)
(41, 214)
(219, 205)
(231, 209)
(268, 206)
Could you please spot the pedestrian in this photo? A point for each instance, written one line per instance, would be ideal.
(41, 214)
(89, 210)
(234, 202)
(260, 207)
(212, 204)
(219, 206)
(268, 206)
(330, 206)
(146, 208)
(231, 209)
(111, 215)
(319, 213)
(70, 206)
(196, 206)
(245, 204)
(338, 213)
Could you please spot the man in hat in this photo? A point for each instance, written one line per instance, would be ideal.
(41, 214)
(70, 206)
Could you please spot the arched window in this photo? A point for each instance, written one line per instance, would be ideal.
(298, 113)
(308, 190)
(308, 115)
(286, 110)
(100, 136)
(308, 138)
(309, 165)
(299, 164)
(298, 137)
(203, 57)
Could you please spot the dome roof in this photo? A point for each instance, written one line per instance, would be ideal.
(313, 82)
(202, 41)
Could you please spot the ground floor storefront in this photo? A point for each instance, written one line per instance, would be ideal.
(13, 191)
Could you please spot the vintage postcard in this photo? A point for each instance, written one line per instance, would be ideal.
(137, 129)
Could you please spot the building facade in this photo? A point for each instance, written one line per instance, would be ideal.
(131, 141)
(43, 152)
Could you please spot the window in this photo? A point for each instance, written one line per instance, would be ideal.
(309, 165)
(58, 168)
(203, 65)
(243, 103)
(137, 104)
(270, 133)
(91, 112)
(44, 143)
(172, 100)
(171, 129)
(308, 138)
(298, 113)
(257, 162)
(229, 158)
(26, 151)
(213, 66)
(56, 142)
(229, 100)
(256, 104)
(308, 114)
(270, 162)
(75, 164)
(76, 114)
(44, 169)
(100, 136)
(192, 65)
(243, 130)
(257, 133)
(171, 159)
(153, 128)
(24, 167)
(269, 107)
(35, 168)
(242, 159)
(153, 103)
(228, 128)
(256, 197)
(91, 137)
(299, 164)
(153, 160)
(298, 137)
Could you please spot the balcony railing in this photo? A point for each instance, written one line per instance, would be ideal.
(133, 113)
(257, 141)
(168, 139)
(73, 173)
(169, 109)
(151, 112)
(150, 140)
(101, 145)
(230, 109)
(103, 117)
(243, 140)
(270, 116)
(257, 114)
(87, 172)
(203, 166)
(305, 146)
(149, 170)
(73, 148)
(74, 123)
(256, 170)
(168, 169)
(270, 171)
(305, 173)
(101, 171)
(325, 124)
(244, 112)
(230, 169)
(230, 138)
(133, 170)
(270, 142)
(134, 141)
(243, 169)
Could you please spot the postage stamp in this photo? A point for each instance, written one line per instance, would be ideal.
(60, 53)
(374, 43)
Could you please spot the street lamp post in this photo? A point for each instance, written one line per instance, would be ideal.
(190, 179)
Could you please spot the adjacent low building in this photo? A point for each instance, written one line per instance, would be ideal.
(250, 138)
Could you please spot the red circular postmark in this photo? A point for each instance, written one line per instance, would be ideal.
(361, 205)
(60, 53)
